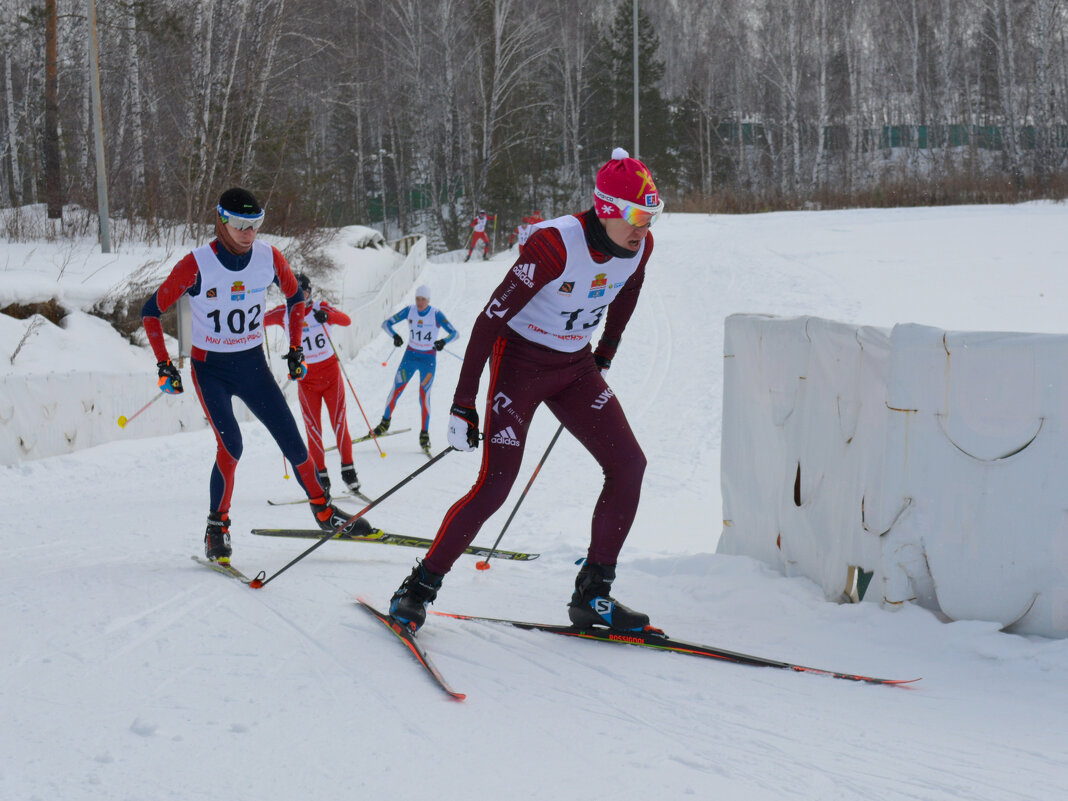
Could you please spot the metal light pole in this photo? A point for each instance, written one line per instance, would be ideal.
(98, 135)
(637, 146)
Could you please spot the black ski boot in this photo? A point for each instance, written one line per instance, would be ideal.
(330, 518)
(324, 480)
(424, 440)
(217, 538)
(592, 605)
(409, 602)
(348, 475)
(382, 427)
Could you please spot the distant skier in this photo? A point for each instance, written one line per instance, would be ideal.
(479, 233)
(523, 233)
(227, 282)
(424, 324)
(535, 332)
(520, 235)
(322, 384)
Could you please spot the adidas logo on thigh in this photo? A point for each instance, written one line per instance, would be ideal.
(506, 436)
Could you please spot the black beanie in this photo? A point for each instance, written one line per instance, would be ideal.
(239, 201)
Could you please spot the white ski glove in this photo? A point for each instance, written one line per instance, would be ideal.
(463, 428)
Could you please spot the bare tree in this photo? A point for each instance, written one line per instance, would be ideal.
(53, 191)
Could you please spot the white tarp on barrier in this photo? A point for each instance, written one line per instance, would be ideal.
(910, 465)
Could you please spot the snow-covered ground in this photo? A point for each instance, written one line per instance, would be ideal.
(129, 672)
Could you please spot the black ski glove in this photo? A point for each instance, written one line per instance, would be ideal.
(295, 359)
(170, 380)
(397, 341)
(321, 315)
(601, 362)
(439, 344)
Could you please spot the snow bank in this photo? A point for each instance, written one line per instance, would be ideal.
(911, 464)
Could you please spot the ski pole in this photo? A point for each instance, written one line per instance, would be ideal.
(258, 583)
(124, 420)
(390, 356)
(455, 356)
(381, 452)
(485, 565)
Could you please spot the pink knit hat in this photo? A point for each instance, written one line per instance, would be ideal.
(625, 188)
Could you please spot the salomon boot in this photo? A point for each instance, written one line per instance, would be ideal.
(382, 427)
(330, 518)
(217, 537)
(592, 604)
(424, 440)
(409, 602)
(348, 475)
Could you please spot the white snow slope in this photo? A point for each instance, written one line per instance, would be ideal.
(129, 672)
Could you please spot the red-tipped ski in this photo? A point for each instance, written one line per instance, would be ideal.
(656, 639)
(408, 638)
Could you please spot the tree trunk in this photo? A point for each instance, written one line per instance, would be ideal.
(12, 133)
(221, 129)
(1007, 80)
(819, 9)
(795, 43)
(53, 187)
(1045, 94)
(260, 91)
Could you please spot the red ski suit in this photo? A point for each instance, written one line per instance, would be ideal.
(323, 383)
(480, 235)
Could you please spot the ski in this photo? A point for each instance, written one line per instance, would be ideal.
(225, 568)
(345, 494)
(368, 436)
(386, 538)
(408, 638)
(656, 639)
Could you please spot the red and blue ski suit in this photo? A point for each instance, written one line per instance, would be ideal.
(228, 294)
(420, 355)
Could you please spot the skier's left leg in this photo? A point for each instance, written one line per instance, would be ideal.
(592, 413)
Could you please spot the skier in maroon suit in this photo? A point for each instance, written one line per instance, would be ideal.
(535, 331)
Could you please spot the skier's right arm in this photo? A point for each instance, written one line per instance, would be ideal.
(387, 326)
(183, 277)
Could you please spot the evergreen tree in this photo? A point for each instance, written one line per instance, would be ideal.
(610, 121)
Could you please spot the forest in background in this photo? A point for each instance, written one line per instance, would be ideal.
(409, 115)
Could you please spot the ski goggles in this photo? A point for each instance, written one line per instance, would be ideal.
(633, 213)
(241, 221)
